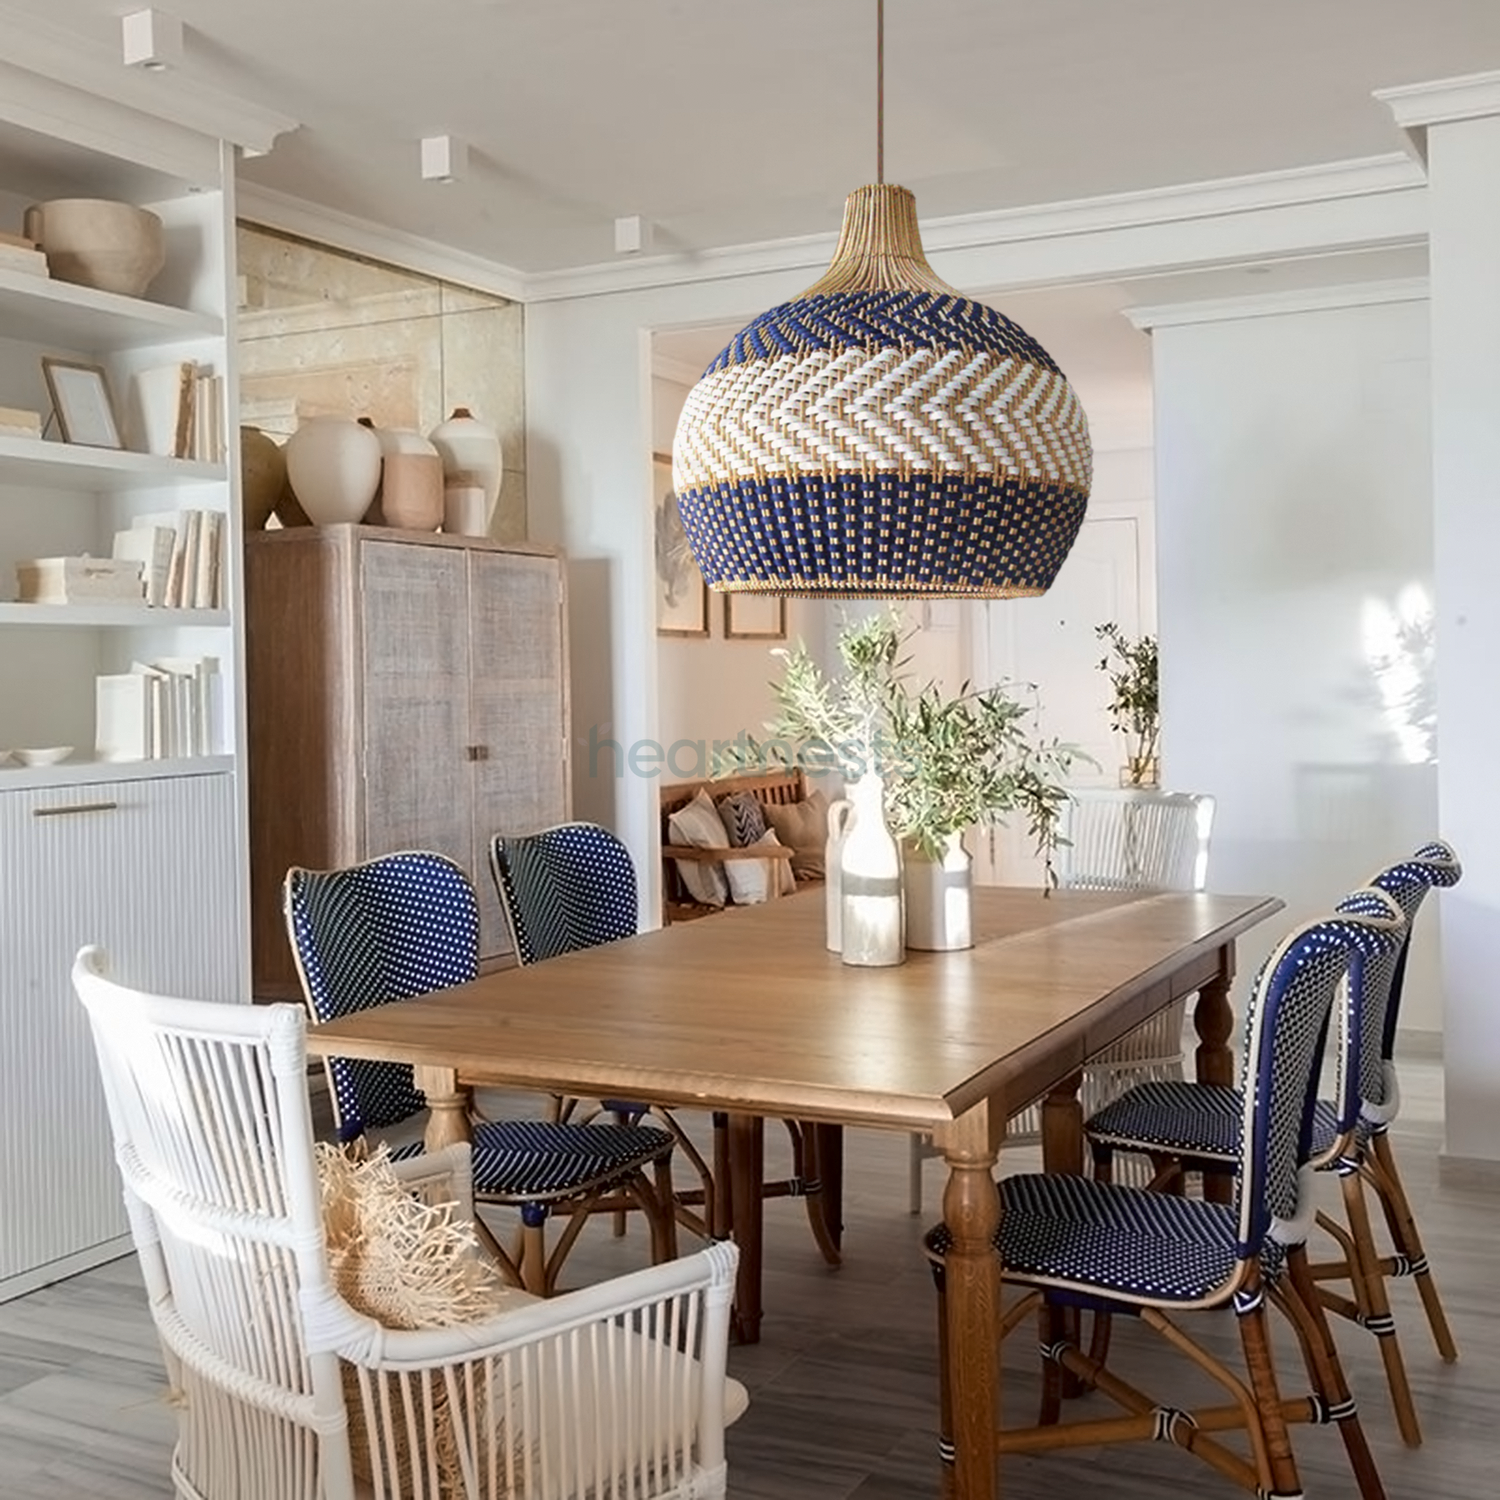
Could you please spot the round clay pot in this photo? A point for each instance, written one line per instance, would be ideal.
(113, 247)
(262, 476)
(471, 456)
(411, 492)
(334, 466)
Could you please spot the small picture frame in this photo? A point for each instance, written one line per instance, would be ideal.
(754, 617)
(681, 593)
(81, 398)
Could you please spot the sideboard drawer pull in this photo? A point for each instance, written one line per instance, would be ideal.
(76, 807)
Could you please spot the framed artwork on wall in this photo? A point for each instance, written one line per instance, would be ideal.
(681, 593)
(754, 617)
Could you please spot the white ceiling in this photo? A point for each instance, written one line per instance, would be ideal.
(735, 121)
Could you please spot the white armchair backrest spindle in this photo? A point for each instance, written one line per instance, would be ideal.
(1137, 839)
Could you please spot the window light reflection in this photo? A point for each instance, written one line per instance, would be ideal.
(1399, 645)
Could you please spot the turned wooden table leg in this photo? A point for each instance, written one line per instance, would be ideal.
(971, 1210)
(747, 1170)
(447, 1105)
(1213, 1020)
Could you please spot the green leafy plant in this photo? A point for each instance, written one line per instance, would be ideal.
(1135, 709)
(948, 763)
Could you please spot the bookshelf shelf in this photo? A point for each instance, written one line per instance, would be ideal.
(88, 772)
(38, 309)
(116, 616)
(68, 466)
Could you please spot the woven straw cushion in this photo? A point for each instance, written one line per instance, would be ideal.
(803, 828)
(882, 442)
(407, 1264)
(699, 826)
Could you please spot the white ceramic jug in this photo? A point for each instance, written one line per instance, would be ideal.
(872, 925)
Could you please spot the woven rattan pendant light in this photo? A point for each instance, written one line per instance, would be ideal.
(881, 435)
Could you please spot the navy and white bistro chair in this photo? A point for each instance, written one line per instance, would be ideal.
(573, 886)
(1191, 1127)
(1078, 1242)
(407, 924)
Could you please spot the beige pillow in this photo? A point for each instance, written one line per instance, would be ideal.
(803, 828)
(699, 826)
(786, 881)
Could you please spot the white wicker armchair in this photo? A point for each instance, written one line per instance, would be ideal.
(618, 1389)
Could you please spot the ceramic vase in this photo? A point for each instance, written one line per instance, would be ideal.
(871, 926)
(334, 467)
(96, 242)
(470, 450)
(840, 816)
(262, 477)
(939, 897)
(465, 510)
(411, 481)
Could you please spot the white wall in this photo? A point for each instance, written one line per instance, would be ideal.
(1294, 502)
(715, 688)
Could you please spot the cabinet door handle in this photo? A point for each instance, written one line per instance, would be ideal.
(75, 807)
(478, 752)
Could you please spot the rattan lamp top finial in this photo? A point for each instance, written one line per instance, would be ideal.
(880, 247)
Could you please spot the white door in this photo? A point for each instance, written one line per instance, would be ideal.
(1050, 641)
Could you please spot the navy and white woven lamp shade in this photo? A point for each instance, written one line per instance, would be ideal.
(882, 436)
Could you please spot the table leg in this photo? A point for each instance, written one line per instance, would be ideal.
(828, 1154)
(1213, 1020)
(971, 1210)
(747, 1170)
(447, 1105)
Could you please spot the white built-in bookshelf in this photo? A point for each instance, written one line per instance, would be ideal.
(146, 857)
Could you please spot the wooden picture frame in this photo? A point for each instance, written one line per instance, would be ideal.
(81, 398)
(681, 593)
(754, 617)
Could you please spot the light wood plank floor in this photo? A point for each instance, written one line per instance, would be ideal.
(843, 1385)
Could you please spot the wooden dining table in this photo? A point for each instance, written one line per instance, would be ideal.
(749, 1013)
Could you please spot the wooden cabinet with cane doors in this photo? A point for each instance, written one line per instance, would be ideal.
(404, 691)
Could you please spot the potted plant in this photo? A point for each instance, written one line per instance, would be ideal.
(941, 764)
(1135, 709)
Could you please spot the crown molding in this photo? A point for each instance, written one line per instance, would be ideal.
(327, 226)
(1416, 106)
(1290, 188)
(679, 371)
(174, 94)
(1274, 304)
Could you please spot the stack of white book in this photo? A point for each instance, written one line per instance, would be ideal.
(17, 253)
(20, 421)
(159, 710)
(79, 580)
(181, 554)
(177, 411)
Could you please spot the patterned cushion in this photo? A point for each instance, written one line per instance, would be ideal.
(743, 817)
(1089, 1237)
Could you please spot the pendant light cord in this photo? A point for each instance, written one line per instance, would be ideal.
(879, 90)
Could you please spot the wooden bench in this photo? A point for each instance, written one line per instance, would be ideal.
(770, 788)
